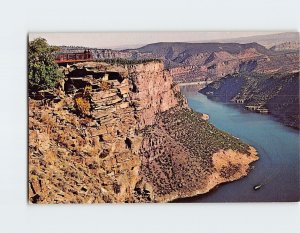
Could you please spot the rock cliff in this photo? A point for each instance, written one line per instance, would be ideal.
(124, 133)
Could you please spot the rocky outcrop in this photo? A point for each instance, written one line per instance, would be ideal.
(94, 157)
(88, 158)
(123, 133)
(145, 92)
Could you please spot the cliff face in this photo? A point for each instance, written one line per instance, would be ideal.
(153, 90)
(107, 131)
(94, 158)
(274, 94)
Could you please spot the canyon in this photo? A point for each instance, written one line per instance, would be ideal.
(113, 133)
(190, 62)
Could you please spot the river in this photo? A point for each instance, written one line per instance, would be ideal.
(277, 145)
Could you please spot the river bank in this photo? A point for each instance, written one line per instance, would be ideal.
(200, 83)
(277, 95)
(184, 155)
(229, 166)
(277, 145)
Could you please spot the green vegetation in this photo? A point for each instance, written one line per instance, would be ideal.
(43, 73)
(180, 149)
(122, 61)
(199, 136)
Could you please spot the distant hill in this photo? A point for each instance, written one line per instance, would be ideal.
(266, 40)
(171, 49)
(190, 62)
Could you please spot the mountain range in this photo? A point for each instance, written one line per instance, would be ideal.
(190, 62)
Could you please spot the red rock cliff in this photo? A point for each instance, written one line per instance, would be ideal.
(114, 133)
(94, 157)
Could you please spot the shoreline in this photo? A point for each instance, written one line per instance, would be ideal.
(220, 158)
(194, 83)
(243, 106)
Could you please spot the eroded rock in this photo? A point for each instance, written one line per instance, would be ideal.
(130, 146)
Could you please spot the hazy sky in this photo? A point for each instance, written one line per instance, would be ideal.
(135, 39)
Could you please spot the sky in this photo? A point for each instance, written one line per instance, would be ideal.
(122, 40)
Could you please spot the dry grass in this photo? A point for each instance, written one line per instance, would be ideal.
(82, 105)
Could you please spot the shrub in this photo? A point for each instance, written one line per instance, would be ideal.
(83, 105)
(82, 100)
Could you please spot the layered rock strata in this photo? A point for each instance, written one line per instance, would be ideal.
(137, 141)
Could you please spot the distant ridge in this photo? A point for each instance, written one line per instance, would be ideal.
(194, 48)
(265, 40)
(190, 62)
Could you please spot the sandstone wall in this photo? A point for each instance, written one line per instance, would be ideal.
(132, 139)
(152, 91)
(93, 158)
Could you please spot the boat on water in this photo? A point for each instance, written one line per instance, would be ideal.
(257, 187)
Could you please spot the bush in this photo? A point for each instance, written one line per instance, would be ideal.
(43, 72)
(82, 105)
(82, 101)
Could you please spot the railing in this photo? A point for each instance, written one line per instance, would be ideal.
(73, 57)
